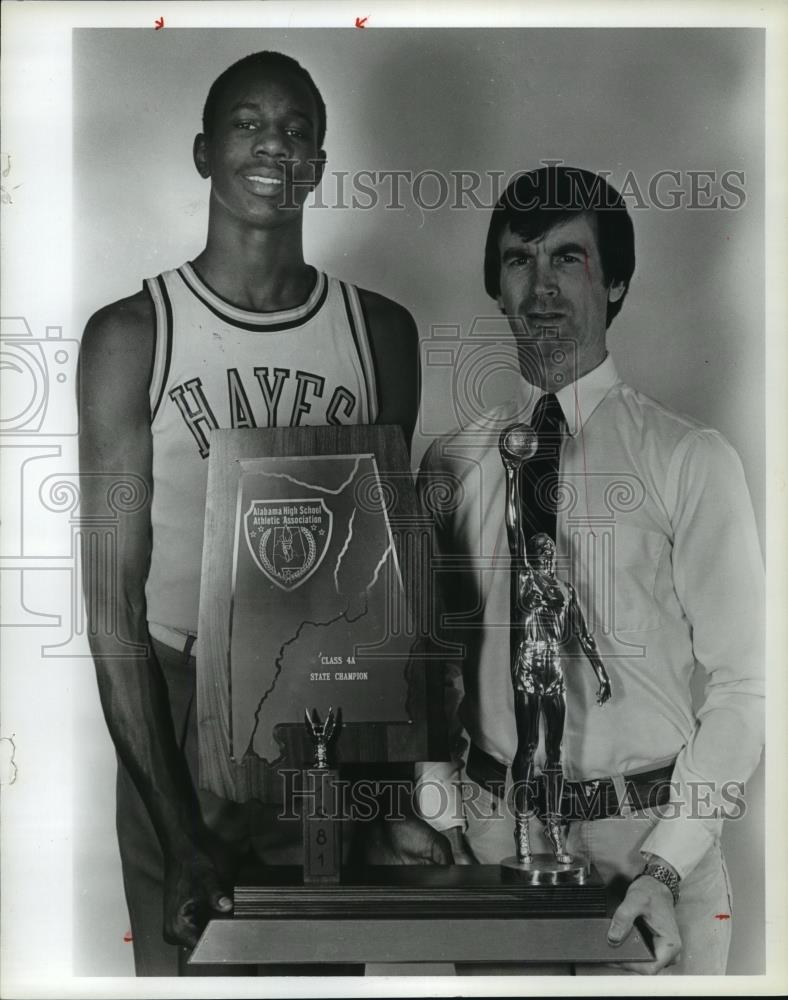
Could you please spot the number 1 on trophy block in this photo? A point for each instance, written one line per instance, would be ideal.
(322, 819)
(322, 826)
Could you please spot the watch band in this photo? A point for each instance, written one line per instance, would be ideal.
(662, 874)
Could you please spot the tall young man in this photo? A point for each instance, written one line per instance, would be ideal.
(654, 527)
(247, 334)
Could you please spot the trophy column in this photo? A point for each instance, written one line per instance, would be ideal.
(322, 818)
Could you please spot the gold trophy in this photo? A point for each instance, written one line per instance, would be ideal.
(544, 613)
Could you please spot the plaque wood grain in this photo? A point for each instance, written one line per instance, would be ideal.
(424, 736)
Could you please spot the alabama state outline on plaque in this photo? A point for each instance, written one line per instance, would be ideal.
(317, 603)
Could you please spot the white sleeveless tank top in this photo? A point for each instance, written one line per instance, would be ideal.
(219, 366)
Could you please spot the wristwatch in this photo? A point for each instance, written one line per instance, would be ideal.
(662, 874)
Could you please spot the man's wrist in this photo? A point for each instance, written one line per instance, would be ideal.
(648, 857)
(662, 871)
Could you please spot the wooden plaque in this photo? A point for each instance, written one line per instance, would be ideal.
(314, 566)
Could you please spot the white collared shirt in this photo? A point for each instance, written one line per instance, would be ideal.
(657, 534)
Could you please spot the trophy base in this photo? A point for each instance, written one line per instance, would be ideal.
(543, 869)
(416, 913)
(421, 891)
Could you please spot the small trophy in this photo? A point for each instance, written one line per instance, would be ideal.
(322, 818)
(544, 612)
(321, 733)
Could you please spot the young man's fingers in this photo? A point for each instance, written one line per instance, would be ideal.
(189, 936)
(217, 897)
(185, 929)
(221, 902)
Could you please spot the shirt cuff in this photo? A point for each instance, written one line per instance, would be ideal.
(682, 841)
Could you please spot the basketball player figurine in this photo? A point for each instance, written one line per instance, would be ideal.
(544, 613)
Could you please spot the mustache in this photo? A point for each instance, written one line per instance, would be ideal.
(537, 306)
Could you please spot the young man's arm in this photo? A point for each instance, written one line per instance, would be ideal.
(394, 339)
(116, 445)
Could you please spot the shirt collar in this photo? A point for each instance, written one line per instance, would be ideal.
(579, 399)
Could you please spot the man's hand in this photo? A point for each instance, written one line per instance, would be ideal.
(408, 841)
(653, 901)
(192, 895)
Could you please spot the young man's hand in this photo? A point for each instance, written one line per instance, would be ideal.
(193, 894)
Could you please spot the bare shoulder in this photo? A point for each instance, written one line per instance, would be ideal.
(387, 317)
(123, 330)
(115, 363)
(115, 440)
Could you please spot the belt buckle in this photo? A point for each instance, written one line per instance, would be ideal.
(589, 795)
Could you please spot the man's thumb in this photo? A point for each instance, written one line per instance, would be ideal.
(620, 926)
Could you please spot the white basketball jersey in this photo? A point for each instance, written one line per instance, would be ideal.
(219, 366)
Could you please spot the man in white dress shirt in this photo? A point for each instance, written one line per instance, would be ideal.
(655, 531)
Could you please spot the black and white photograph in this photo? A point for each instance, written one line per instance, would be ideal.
(393, 515)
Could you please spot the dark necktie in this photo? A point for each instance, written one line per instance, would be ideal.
(540, 474)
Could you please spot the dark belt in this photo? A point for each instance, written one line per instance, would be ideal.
(188, 646)
(581, 800)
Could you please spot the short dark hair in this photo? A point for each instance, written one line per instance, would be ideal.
(265, 62)
(536, 201)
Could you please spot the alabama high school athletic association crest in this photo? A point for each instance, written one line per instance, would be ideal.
(288, 538)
